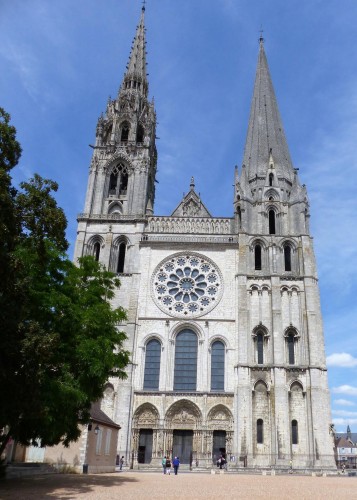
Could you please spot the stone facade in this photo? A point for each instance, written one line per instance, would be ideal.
(245, 284)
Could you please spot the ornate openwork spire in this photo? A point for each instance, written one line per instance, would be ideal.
(135, 77)
(265, 135)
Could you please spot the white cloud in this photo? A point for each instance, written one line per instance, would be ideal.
(343, 402)
(344, 413)
(341, 359)
(345, 389)
(344, 422)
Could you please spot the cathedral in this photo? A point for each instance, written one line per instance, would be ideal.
(223, 323)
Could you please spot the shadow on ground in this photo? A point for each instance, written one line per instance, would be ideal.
(59, 486)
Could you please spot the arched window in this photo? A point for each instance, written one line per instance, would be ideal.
(185, 375)
(271, 222)
(239, 212)
(152, 365)
(217, 366)
(113, 182)
(294, 432)
(123, 182)
(96, 250)
(287, 258)
(260, 348)
(140, 134)
(108, 135)
(290, 339)
(271, 178)
(258, 258)
(118, 180)
(260, 431)
(124, 132)
(121, 257)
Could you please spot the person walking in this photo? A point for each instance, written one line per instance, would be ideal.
(176, 464)
(164, 464)
(121, 463)
(168, 466)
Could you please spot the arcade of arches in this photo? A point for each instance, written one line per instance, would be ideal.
(183, 432)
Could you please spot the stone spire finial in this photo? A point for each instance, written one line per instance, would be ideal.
(135, 77)
(192, 183)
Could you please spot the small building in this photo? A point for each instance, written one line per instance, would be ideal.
(346, 449)
(96, 449)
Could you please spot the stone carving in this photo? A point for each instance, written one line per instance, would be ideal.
(191, 209)
(190, 224)
(146, 416)
(183, 415)
(220, 418)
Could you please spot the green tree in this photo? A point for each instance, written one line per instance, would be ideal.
(61, 342)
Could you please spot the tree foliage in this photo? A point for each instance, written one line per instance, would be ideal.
(59, 338)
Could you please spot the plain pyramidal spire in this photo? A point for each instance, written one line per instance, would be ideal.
(265, 136)
(136, 77)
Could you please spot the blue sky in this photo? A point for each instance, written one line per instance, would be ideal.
(61, 59)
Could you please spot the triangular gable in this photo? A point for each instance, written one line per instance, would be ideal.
(191, 205)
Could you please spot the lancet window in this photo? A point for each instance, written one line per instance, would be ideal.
(152, 365)
(258, 258)
(260, 348)
(287, 257)
(290, 341)
(217, 366)
(185, 375)
(294, 432)
(124, 135)
(140, 134)
(272, 225)
(121, 257)
(118, 180)
(260, 431)
(96, 250)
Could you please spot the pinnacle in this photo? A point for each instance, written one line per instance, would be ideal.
(136, 76)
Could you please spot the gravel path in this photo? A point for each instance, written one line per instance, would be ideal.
(132, 485)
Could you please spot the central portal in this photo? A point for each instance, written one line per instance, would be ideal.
(182, 445)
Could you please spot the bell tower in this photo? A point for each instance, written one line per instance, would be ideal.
(281, 356)
(123, 167)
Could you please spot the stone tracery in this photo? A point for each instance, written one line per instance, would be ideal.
(187, 285)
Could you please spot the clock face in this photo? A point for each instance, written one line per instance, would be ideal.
(187, 285)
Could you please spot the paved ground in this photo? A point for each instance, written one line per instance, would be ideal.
(131, 485)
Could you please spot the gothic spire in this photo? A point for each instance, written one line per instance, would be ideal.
(265, 136)
(135, 76)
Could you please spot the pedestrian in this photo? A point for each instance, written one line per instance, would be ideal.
(291, 467)
(164, 464)
(168, 466)
(176, 464)
(121, 463)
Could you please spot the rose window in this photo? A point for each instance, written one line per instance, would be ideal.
(187, 285)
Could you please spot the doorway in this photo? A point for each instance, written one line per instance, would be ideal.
(145, 446)
(219, 445)
(182, 445)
